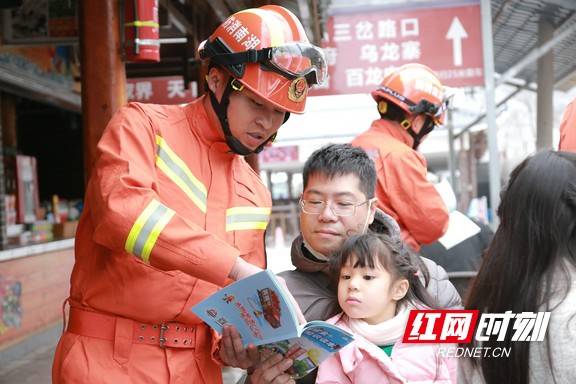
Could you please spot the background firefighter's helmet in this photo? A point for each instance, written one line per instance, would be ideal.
(416, 89)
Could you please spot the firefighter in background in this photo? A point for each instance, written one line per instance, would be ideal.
(173, 212)
(568, 129)
(411, 102)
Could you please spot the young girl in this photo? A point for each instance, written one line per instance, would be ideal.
(378, 285)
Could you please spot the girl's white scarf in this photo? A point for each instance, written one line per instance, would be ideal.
(386, 333)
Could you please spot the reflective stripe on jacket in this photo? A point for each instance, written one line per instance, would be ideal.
(402, 189)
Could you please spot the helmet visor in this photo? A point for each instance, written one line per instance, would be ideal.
(299, 60)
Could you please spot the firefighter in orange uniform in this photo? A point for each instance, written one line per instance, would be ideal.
(411, 102)
(568, 129)
(173, 212)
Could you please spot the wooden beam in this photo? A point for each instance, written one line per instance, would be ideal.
(177, 13)
(220, 9)
(103, 76)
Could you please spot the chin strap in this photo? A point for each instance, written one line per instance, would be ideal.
(417, 137)
(221, 109)
(395, 113)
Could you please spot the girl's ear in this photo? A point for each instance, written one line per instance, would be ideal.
(399, 289)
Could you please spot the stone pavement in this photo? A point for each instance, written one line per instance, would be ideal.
(32, 369)
(30, 362)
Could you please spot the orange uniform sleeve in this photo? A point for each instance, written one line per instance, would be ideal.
(418, 205)
(129, 215)
(568, 129)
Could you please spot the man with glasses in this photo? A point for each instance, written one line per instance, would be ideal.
(173, 212)
(338, 201)
(411, 102)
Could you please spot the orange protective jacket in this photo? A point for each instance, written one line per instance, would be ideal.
(568, 129)
(402, 189)
(168, 210)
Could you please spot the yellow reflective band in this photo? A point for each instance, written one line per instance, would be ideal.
(273, 24)
(242, 218)
(248, 211)
(147, 228)
(246, 225)
(158, 227)
(138, 23)
(177, 171)
(138, 224)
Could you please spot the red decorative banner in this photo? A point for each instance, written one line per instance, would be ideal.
(362, 47)
(160, 90)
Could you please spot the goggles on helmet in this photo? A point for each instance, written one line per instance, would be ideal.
(291, 60)
(430, 109)
(435, 111)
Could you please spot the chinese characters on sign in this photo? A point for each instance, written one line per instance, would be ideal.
(161, 90)
(361, 48)
(279, 154)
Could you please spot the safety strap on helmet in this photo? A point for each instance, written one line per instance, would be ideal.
(423, 107)
(221, 109)
(417, 137)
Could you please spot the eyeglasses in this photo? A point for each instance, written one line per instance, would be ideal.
(343, 208)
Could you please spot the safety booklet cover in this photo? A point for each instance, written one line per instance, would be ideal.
(263, 314)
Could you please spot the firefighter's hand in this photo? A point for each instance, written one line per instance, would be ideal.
(299, 315)
(242, 269)
(271, 371)
(232, 351)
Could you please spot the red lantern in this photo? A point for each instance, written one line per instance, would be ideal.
(141, 30)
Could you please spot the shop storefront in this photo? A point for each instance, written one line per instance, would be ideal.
(41, 177)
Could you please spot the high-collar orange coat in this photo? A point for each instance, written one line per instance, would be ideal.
(568, 129)
(167, 211)
(402, 189)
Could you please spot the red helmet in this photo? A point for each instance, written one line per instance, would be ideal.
(267, 50)
(416, 89)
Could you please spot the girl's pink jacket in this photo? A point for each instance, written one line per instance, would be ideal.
(363, 362)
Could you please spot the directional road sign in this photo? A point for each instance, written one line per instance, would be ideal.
(361, 47)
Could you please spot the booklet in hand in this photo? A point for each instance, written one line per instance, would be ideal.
(262, 313)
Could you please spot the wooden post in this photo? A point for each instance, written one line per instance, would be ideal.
(7, 122)
(8, 149)
(9, 132)
(103, 74)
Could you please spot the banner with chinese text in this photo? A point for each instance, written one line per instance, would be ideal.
(160, 90)
(362, 47)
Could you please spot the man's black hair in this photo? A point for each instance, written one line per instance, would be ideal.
(334, 160)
